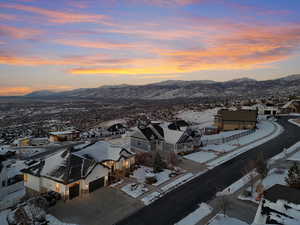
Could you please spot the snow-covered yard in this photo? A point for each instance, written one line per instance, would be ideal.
(255, 140)
(12, 199)
(264, 128)
(220, 219)
(203, 118)
(143, 172)
(295, 122)
(151, 197)
(134, 189)
(194, 217)
(201, 157)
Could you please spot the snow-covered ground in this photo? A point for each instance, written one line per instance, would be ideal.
(238, 184)
(285, 152)
(143, 172)
(22, 151)
(134, 189)
(203, 118)
(3, 215)
(295, 122)
(222, 134)
(201, 157)
(151, 197)
(179, 181)
(275, 176)
(264, 128)
(194, 217)
(220, 219)
(249, 142)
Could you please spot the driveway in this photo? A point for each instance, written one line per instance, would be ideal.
(103, 207)
(183, 200)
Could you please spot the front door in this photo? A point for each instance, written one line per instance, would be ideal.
(74, 191)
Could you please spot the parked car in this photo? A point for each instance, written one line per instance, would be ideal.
(56, 195)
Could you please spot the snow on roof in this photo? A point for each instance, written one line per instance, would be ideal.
(290, 102)
(112, 122)
(64, 132)
(172, 136)
(101, 151)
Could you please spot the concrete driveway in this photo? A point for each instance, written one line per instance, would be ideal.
(105, 206)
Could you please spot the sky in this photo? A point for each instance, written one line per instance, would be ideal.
(67, 44)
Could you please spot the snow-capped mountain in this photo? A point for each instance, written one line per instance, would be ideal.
(186, 89)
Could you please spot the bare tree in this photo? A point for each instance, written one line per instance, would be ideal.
(248, 171)
(224, 203)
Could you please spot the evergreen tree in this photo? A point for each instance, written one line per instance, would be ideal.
(293, 178)
(158, 164)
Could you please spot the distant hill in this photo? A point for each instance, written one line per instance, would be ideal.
(186, 89)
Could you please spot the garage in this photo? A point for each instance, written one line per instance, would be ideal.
(96, 184)
(74, 191)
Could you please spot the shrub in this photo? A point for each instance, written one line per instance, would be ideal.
(151, 180)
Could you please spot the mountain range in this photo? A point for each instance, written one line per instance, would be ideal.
(243, 87)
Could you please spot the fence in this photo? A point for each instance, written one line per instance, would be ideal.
(223, 140)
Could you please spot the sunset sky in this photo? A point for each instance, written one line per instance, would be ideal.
(67, 44)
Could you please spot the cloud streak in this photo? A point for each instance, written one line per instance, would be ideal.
(60, 17)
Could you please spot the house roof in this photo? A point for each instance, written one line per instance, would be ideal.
(64, 167)
(238, 115)
(176, 125)
(295, 102)
(172, 136)
(66, 132)
(149, 133)
(281, 192)
(104, 151)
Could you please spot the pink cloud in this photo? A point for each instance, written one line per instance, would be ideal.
(56, 16)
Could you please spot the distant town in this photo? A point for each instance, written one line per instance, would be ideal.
(62, 160)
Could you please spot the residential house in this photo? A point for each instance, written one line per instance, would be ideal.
(76, 173)
(156, 137)
(280, 205)
(292, 106)
(239, 119)
(21, 142)
(263, 109)
(60, 136)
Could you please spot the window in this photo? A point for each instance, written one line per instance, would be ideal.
(25, 177)
(57, 187)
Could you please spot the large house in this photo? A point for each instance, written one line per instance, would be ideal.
(68, 135)
(73, 173)
(155, 137)
(240, 119)
(279, 205)
(292, 106)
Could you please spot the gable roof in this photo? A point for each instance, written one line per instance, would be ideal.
(104, 151)
(238, 115)
(149, 133)
(281, 192)
(63, 167)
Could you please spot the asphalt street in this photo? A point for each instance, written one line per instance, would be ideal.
(179, 203)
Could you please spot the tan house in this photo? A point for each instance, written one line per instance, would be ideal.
(68, 135)
(74, 174)
(236, 120)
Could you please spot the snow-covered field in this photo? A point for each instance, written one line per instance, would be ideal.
(194, 217)
(249, 143)
(264, 128)
(201, 157)
(285, 152)
(134, 189)
(235, 147)
(12, 199)
(220, 219)
(203, 118)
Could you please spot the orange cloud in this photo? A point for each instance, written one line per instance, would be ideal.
(11, 91)
(18, 33)
(56, 16)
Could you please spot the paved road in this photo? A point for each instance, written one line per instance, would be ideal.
(180, 202)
